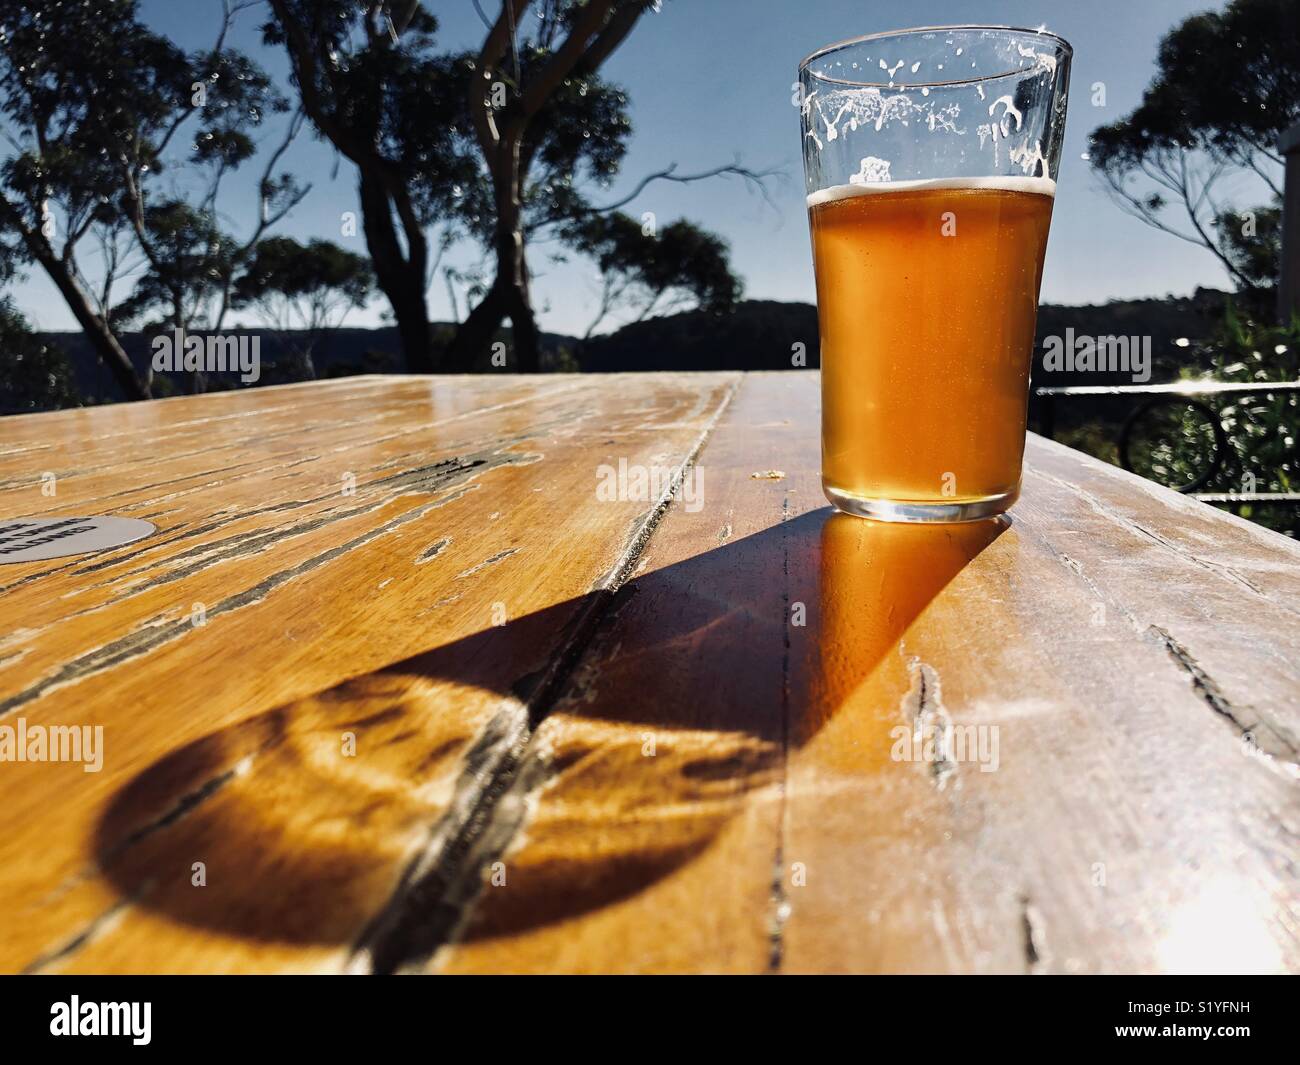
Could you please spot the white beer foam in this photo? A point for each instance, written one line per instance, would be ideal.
(1039, 186)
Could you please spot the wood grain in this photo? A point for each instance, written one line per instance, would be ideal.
(643, 734)
(1122, 826)
(657, 781)
(361, 551)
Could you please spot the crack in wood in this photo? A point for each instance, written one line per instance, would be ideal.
(158, 631)
(1275, 749)
(1218, 569)
(1076, 567)
(1033, 936)
(436, 895)
(781, 906)
(930, 721)
(183, 806)
(433, 551)
(500, 556)
(32, 578)
(89, 932)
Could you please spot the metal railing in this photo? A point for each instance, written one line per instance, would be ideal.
(1192, 394)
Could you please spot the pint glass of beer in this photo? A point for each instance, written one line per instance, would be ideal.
(930, 158)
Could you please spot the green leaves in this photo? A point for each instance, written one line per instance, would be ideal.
(1227, 85)
(1263, 428)
(1228, 82)
(643, 266)
(34, 374)
(318, 271)
(191, 257)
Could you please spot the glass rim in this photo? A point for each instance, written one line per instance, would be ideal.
(1062, 45)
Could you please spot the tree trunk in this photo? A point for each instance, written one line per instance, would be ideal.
(412, 317)
(476, 332)
(503, 300)
(523, 329)
(509, 295)
(198, 379)
(401, 281)
(96, 330)
(512, 266)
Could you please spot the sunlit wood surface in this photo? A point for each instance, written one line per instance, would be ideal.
(395, 687)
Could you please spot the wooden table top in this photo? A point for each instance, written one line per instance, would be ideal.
(398, 685)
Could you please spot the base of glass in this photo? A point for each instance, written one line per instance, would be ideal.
(906, 511)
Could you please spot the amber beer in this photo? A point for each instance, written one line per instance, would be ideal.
(927, 293)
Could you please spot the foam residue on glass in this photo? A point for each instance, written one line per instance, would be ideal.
(840, 110)
(846, 99)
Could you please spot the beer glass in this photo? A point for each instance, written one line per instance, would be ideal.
(930, 158)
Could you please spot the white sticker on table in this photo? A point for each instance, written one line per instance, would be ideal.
(33, 539)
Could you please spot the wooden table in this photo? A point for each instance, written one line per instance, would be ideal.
(396, 685)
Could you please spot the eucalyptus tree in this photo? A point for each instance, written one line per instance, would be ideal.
(1227, 85)
(303, 292)
(96, 110)
(502, 146)
(646, 270)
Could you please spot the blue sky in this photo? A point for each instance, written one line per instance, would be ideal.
(710, 80)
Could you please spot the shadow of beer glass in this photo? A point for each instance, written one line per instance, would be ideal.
(709, 656)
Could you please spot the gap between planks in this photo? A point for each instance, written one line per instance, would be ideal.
(440, 885)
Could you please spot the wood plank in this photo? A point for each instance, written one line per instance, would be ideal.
(1123, 823)
(354, 546)
(1219, 594)
(656, 782)
(1125, 828)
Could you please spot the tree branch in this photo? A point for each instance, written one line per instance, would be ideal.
(494, 47)
(306, 72)
(614, 34)
(669, 173)
(602, 19)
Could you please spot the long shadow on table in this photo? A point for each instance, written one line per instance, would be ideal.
(680, 710)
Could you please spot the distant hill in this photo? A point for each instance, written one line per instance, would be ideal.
(758, 335)
(342, 353)
(761, 333)
(353, 350)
